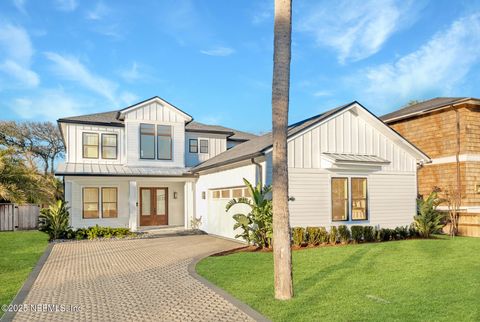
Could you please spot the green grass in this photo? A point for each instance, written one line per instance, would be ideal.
(413, 280)
(19, 252)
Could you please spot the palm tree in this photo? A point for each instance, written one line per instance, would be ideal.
(282, 256)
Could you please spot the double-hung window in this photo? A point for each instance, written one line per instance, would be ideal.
(193, 146)
(339, 199)
(359, 198)
(90, 203)
(109, 146)
(164, 142)
(90, 145)
(346, 201)
(147, 141)
(109, 202)
(203, 146)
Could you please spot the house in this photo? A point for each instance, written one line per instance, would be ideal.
(150, 164)
(443, 128)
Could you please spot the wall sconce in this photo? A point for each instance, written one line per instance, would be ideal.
(175, 195)
(204, 195)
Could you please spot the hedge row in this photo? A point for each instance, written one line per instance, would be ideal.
(97, 232)
(357, 234)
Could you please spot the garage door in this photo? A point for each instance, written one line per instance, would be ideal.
(221, 222)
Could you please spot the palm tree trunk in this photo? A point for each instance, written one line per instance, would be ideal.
(282, 255)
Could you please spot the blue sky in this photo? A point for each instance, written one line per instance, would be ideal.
(213, 58)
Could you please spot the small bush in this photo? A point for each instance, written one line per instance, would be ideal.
(344, 234)
(412, 231)
(54, 220)
(368, 234)
(357, 233)
(323, 235)
(298, 236)
(333, 235)
(385, 234)
(313, 235)
(401, 232)
(81, 233)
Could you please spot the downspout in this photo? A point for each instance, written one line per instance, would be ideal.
(259, 170)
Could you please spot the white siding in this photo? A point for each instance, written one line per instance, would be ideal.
(216, 144)
(156, 112)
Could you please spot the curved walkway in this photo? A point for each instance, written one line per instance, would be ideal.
(130, 280)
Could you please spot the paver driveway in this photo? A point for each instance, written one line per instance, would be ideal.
(130, 280)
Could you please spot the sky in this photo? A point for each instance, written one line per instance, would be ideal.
(214, 58)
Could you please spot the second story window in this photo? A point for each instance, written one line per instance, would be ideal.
(164, 142)
(147, 141)
(90, 145)
(109, 146)
(203, 146)
(193, 146)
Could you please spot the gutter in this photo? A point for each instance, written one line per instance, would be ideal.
(260, 171)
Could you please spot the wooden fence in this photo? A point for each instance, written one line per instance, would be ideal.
(19, 217)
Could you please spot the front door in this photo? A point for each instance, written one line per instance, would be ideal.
(153, 206)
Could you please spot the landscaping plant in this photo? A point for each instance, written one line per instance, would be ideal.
(357, 234)
(344, 234)
(256, 226)
(54, 220)
(333, 235)
(298, 236)
(368, 234)
(313, 236)
(428, 219)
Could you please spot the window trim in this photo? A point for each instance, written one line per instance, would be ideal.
(98, 203)
(116, 201)
(190, 145)
(116, 145)
(200, 145)
(163, 135)
(331, 200)
(140, 141)
(83, 145)
(367, 215)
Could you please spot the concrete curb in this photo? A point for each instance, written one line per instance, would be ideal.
(19, 299)
(239, 304)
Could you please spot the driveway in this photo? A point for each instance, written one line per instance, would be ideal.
(129, 280)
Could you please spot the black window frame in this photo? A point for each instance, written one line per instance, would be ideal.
(140, 141)
(170, 136)
(116, 146)
(190, 145)
(83, 145)
(348, 199)
(366, 199)
(200, 145)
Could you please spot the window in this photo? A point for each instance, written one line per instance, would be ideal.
(109, 146)
(164, 142)
(237, 193)
(90, 145)
(109, 202)
(90, 203)
(246, 192)
(339, 199)
(147, 141)
(216, 194)
(203, 146)
(225, 193)
(359, 199)
(193, 146)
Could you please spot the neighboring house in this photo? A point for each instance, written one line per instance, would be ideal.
(150, 164)
(444, 127)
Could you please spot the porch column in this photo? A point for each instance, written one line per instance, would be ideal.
(189, 203)
(132, 205)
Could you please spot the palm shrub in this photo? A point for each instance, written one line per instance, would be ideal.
(54, 220)
(333, 235)
(357, 233)
(344, 234)
(298, 236)
(428, 219)
(256, 226)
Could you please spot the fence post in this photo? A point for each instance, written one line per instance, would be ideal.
(15, 217)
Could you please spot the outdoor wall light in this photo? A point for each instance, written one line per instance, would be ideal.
(204, 195)
(175, 195)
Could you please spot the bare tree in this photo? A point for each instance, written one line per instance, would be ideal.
(34, 140)
(280, 99)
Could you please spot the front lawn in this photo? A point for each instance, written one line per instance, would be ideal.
(411, 280)
(19, 252)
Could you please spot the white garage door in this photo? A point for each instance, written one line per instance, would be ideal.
(221, 222)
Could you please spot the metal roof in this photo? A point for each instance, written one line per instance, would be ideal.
(355, 158)
(93, 169)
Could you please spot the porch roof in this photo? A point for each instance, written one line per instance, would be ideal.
(92, 169)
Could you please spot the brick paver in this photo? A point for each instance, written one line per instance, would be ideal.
(130, 280)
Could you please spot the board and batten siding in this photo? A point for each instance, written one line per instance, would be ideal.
(158, 114)
(347, 133)
(217, 144)
(74, 140)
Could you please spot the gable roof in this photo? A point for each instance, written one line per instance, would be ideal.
(421, 108)
(127, 109)
(260, 145)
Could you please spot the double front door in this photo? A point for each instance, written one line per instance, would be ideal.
(153, 206)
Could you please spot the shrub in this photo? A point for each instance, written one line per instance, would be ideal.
(313, 235)
(333, 235)
(54, 220)
(401, 232)
(298, 236)
(81, 233)
(385, 234)
(412, 232)
(357, 233)
(428, 219)
(368, 234)
(323, 235)
(344, 234)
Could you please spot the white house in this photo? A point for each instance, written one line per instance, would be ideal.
(150, 164)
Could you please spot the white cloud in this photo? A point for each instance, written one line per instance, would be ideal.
(99, 12)
(435, 68)
(218, 51)
(128, 98)
(16, 53)
(20, 5)
(356, 29)
(66, 5)
(262, 11)
(322, 93)
(70, 68)
(131, 74)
